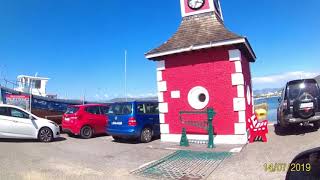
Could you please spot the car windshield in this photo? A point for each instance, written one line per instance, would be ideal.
(300, 87)
(72, 110)
(120, 109)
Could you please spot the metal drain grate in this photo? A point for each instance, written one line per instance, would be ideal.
(195, 141)
(184, 165)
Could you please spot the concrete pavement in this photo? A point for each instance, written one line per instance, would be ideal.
(102, 158)
(281, 147)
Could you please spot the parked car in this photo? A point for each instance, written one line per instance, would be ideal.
(18, 123)
(305, 165)
(300, 103)
(134, 120)
(85, 120)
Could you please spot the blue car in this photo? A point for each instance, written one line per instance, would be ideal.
(134, 120)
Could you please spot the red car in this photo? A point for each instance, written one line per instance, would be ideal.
(85, 120)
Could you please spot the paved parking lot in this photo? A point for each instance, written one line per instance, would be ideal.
(72, 158)
(102, 158)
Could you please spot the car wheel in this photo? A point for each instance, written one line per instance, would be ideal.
(45, 135)
(316, 124)
(278, 118)
(146, 135)
(117, 139)
(70, 134)
(281, 123)
(86, 132)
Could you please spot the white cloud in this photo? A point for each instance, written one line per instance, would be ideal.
(144, 95)
(130, 95)
(279, 80)
(148, 95)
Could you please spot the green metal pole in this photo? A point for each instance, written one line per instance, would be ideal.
(211, 114)
(184, 139)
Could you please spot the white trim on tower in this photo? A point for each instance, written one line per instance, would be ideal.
(239, 102)
(219, 139)
(160, 97)
(238, 66)
(242, 116)
(162, 86)
(162, 118)
(159, 76)
(161, 65)
(175, 94)
(202, 46)
(240, 128)
(164, 128)
(240, 90)
(163, 105)
(237, 79)
(235, 55)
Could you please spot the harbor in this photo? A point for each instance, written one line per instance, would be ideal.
(273, 104)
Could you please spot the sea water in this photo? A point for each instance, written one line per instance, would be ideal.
(272, 105)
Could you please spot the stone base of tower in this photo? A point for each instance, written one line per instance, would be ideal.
(218, 139)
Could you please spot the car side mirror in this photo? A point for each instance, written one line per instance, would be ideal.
(305, 166)
(279, 100)
(31, 117)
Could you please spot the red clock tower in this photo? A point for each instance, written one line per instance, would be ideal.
(204, 65)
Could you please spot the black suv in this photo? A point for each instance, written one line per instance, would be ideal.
(300, 103)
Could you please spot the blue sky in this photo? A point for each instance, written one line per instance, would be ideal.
(80, 44)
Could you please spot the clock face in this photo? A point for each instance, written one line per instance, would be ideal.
(196, 4)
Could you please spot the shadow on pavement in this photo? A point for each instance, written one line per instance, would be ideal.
(30, 140)
(133, 141)
(78, 137)
(293, 130)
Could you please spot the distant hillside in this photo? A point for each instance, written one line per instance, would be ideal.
(266, 91)
(318, 79)
(133, 99)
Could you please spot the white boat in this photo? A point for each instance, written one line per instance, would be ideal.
(42, 104)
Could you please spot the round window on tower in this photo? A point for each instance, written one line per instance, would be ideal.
(198, 97)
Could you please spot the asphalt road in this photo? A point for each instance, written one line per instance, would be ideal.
(102, 158)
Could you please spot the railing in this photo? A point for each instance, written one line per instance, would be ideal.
(203, 124)
(11, 83)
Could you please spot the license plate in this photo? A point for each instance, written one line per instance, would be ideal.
(306, 105)
(116, 123)
(66, 119)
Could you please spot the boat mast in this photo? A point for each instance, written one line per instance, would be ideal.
(84, 97)
(30, 95)
(125, 75)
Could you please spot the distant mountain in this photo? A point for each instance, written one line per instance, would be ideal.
(132, 99)
(266, 91)
(318, 79)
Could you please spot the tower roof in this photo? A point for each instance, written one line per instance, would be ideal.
(201, 31)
